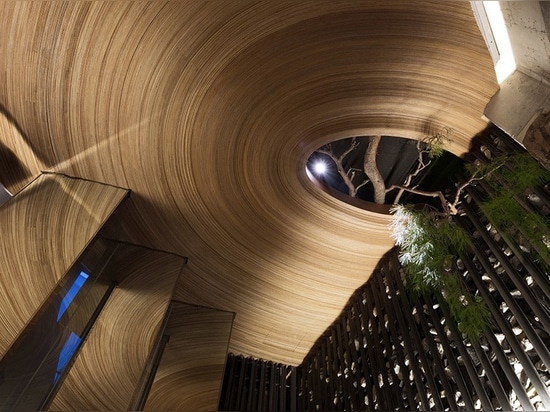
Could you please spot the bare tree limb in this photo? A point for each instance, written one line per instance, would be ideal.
(338, 160)
(447, 206)
(350, 149)
(420, 165)
(461, 188)
(362, 184)
(371, 170)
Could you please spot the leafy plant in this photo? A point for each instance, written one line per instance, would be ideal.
(509, 183)
(429, 248)
(437, 142)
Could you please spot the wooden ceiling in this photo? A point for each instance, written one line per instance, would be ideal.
(208, 112)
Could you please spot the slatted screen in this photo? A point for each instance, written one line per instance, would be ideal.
(257, 385)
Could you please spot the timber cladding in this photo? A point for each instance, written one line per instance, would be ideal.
(44, 230)
(208, 112)
(110, 365)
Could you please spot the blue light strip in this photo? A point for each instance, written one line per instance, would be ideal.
(71, 293)
(67, 353)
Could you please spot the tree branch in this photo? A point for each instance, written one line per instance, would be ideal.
(338, 160)
(448, 207)
(419, 167)
(371, 170)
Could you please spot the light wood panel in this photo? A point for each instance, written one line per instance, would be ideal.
(190, 374)
(208, 111)
(109, 366)
(44, 229)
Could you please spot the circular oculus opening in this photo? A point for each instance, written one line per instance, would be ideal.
(339, 168)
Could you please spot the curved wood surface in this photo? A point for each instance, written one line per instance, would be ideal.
(208, 111)
(44, 229)
(108, 368)
(190, 374)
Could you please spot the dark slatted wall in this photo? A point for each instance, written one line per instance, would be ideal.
(391, 350)
(258, 385)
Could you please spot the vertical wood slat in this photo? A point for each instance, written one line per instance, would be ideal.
(241, 376)
(330, 370)
(342, 383)
(406, 321)
(314, 392)
(261, 391)
(505, 328)
(512, 340)
(419, 349)
(235, 383)
(474, 377)
(426, 363)
(292, 391)
(323, 371)
(373, 355)
(272, 387)
(400, 350)
(364, 366)
(228, 393)
(396, 397)
(253, 384)
(489, 368)
(246, 379)
(251, 387)
(282, 387)
(436, 361)
(496, 383)
(311, 391)
(451, 358)
(354, 387)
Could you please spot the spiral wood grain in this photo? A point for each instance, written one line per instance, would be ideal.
(208, 111)
(189, 376)
(44, 229)
(110, 364)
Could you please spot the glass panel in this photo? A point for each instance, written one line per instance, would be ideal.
(70, 347)
(35, 363)
(71, 293)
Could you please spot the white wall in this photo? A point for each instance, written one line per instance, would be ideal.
(528, 24)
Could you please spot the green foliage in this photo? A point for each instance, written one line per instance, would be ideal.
(510, 178)
(429, 247)
(484, 170)
(473, 317)
(520, 172)
(438, 142)
(502, 210)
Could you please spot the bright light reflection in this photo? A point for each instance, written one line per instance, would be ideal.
(320, 167)
(506, 65)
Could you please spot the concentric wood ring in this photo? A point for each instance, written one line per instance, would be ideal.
(208, 111)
